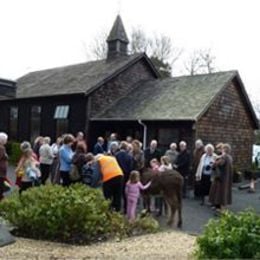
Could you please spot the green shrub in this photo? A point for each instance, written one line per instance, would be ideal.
(75, 214)
(144, 225)
(14, 152)
(231, 236)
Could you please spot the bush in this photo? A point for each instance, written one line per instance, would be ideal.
(144, 225)
(14, 152)
(231, 236)
(75, 214)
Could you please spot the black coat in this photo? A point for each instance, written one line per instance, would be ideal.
(148, 156)
(126, 163)
(183, 163)
(98, 149)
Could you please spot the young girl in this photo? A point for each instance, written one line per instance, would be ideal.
(155, 165)
(132, 190)
(165, 164)
(29, 167)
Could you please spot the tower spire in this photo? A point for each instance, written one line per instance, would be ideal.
(117, 40)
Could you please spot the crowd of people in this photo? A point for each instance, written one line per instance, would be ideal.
(116, 167)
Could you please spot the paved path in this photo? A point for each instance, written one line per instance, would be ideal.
(196, 216)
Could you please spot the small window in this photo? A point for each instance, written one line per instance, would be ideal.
(62, 122)
(61, 112)
(13, 123)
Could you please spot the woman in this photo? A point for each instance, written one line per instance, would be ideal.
(221, 189)
(3, 163)
(204, 171)
(197, 153)
(27, 168)
(46, 159)
(55, 165)
(79, 159)
(138, 156)
(65, 158)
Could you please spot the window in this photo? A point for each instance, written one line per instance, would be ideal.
(13, 123)
(35, 122)
(62, 121)
(61, 112)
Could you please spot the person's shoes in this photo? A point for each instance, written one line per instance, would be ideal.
(251, 190)
(202, 203)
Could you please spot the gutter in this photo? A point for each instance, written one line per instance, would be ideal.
(144, 134)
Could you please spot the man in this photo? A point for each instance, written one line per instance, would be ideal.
(197, 154)
(182, 165)
(3, 163)
(172, 153)
(126, 162)
(152, 153)
(112, 176)
(112, 141)
(80, 139)
(98, 148)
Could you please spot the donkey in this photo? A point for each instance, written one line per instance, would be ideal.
(169, 184)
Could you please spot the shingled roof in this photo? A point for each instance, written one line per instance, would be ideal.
(74, 79)
(180, 98)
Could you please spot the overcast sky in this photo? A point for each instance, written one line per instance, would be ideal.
(40, 34)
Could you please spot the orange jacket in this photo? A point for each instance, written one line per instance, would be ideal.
(109, 167)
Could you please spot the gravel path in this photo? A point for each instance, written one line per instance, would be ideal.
(164, 245)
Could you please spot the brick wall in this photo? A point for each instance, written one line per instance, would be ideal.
(110, 92)
(229, 121)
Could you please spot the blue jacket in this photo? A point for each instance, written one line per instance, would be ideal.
(65, 156)
(98, 148)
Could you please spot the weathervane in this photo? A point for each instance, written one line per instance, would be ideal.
(119, 6)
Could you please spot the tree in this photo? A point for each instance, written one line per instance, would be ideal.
(159, 48)
(200, 61)
(97, 49)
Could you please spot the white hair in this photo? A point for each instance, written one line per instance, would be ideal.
(173, 145)
(3, 137)
(47, 140)
(209, 146)
(199, 143)
(183, 143)
(154, 141)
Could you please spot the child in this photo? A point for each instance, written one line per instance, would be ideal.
(29, 167)
(155, 165)
(165, 164)
(132, 191)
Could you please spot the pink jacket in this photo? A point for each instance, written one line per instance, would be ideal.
(132, 190)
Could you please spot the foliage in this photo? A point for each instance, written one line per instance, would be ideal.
(144, 225)
(200, 61)
(231, 236)
(257, 137)
(75, 214)
(14, 152)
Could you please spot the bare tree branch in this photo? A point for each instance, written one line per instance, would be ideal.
(200, 61)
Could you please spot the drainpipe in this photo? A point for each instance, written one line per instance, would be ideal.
(145, 133)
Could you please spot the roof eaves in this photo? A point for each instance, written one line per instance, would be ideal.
(143, 119)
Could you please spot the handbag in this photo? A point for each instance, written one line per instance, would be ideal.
(74, 173)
